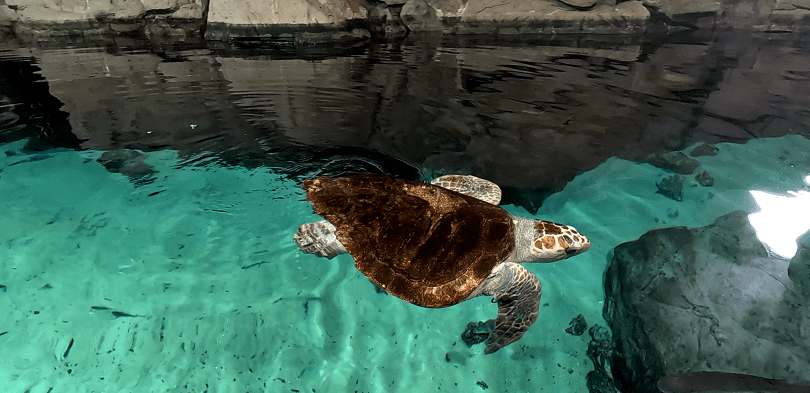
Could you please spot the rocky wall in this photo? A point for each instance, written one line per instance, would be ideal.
(146, 18)
(359, 20)
(707, 309)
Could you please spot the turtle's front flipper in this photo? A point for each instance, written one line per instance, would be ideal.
(319, 238)
(517, 292)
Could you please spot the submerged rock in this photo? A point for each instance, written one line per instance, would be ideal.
(703, 149)
(705, 299)
(671, 187)
(727, 382)
(600, 350)
(126, 162)
(704, 179)
(675, 161)
(799, 269)
(577, 326)
(477, 332)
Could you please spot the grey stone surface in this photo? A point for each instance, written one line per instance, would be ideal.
(523, 17)
(678, 9)
(385, 21)
(72, 17)
(799, 270)
(705, 299)
(45, 18)
(46, 11)
(247, 18)
(286, 12)
(419, 15)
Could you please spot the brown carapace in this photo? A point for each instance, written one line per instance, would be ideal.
(425, 244)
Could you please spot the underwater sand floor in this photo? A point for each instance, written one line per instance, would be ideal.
(192, 283)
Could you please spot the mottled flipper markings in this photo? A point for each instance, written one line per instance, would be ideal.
(319, 238)
(517, 292)
(475, 187)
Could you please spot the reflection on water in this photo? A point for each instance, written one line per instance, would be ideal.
(529, 115)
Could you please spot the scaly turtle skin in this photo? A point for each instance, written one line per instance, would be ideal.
(438, 244)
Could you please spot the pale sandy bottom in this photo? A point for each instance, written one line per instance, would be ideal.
(217, 298)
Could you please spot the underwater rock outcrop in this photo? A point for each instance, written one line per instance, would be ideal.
(799, 269)
(577, 326)
(126, 162)
(600, 349)
(691, 300)
(704, 179)
(675, 161)
(671, 187)
(477, 332)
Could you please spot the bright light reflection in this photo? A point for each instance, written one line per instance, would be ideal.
(781, 219)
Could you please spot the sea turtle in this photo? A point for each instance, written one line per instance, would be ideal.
(438, 244)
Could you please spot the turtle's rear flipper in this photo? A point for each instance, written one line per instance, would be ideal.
(517, 292)
(319, 238)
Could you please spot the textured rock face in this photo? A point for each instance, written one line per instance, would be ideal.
(88, 17)
(247, 18)
(799, 270)
(603, 16)
(705, 299)
(524, 17)
(240, 18)
(286, 12)
(46, 11)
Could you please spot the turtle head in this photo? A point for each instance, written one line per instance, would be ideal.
(553, 242)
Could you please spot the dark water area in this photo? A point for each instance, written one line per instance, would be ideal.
(529, 114)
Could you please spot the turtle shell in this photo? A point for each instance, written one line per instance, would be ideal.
(425, 244)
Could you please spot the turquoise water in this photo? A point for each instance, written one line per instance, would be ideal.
(193, 283)
(187, 279)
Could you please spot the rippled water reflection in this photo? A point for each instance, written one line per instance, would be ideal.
(528, 114)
